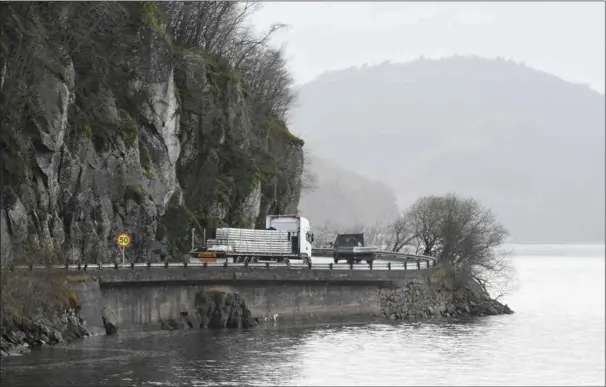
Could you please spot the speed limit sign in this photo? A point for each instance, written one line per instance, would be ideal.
(123, 240)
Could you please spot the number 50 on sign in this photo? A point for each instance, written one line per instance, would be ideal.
(123, 240)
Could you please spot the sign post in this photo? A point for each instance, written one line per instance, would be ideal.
(123, 241)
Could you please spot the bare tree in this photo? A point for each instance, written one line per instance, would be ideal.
(323, 235)
(220, 28)
(464, 236)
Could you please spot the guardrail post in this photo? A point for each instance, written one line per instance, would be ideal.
(79, 266)
(388, 265)
(405, 265)
(267, 265)
(370, 265)
(85, 266)
(309, 265)
(116, 265)
(31, 266)
(66, 267)
(351, 266)
(132, 266)
(418, 264)
(330, 266)
(166, 264)
(246, 263)
(148, 265)
(205, 265)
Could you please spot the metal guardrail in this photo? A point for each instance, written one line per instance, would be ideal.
(407, 265)
(383, 255)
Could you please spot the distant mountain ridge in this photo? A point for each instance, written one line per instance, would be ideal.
(524, 142)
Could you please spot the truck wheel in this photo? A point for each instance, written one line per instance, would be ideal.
(336, 260)
(238, 259)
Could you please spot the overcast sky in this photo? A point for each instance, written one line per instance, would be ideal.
(564, 39)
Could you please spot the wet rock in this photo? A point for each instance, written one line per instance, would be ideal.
(110, 321)
(221, 309)
(19, 335)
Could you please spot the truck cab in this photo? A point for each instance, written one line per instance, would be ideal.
(299, 229)
(351, 248)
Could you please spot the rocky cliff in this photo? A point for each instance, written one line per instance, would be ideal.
(128, 132)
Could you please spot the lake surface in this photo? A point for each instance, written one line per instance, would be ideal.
(556, 337)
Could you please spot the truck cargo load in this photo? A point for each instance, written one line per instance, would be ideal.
(285, 238)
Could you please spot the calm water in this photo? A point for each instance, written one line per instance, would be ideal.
(556, 337)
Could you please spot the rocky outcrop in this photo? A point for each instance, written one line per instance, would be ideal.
(438, 295)
(110, 321)
(157, 142)
(223, 309)
(18, 336)
(215, 309)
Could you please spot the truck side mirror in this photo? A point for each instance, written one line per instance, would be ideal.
(312, 237)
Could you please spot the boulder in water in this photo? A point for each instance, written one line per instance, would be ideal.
(110, 321)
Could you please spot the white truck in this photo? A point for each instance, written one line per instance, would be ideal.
(286, 238)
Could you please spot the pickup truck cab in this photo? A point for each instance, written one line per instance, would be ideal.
(351, 248)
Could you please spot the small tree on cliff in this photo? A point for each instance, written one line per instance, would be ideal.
(461, 234)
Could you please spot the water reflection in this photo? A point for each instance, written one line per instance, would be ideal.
(556, 337)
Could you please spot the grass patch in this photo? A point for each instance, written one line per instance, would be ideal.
(280, 128)
(27, 297)
(80, 278)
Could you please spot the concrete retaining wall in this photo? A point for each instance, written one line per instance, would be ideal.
(143, 298)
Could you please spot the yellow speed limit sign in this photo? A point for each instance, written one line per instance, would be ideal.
(123, 240)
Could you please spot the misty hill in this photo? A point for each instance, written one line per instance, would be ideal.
(343, 198)
(526, 143)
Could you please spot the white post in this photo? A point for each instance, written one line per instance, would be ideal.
(193, 230)
(123, 257)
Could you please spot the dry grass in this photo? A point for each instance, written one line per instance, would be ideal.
(27, 296)
(219, 288)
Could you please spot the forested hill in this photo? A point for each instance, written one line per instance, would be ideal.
(526, 143)
(342, 199)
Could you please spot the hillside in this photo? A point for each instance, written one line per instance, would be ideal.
(131, 117)
(343, 198)
(526, 143)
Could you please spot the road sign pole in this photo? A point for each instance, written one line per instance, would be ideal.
(123, 257)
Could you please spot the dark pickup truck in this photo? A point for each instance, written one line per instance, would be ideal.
(351, 248)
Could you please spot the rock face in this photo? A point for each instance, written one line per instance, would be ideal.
(214, 309)
(223, 309)
(162, 142)
(18, 336)
(437, 295)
